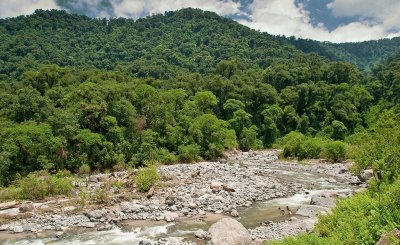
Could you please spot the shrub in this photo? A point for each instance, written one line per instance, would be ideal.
(84, 170)
(248, 139)
(310, 148)
(291, 143)
(335, 150)
(189, 153)
(38, 185)
(146, 177)
(100, 195)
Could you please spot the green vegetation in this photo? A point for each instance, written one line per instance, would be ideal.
(38, 185)
(88, 95)
(296, 144)
(361, 219)
(146, 178)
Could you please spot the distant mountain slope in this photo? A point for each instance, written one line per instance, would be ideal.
(189, 39)
(363, 54)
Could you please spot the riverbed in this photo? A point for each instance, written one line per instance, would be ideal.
(250, 186)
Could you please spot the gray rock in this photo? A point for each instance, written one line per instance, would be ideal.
(200, 234)
(96, 214)
(170, 216)
(366, 175)
(18, 229)
(69, 209)
(185, 211)
(10, 212)
(234, 213)
(229, 231)
(323, 200)
(311, 210)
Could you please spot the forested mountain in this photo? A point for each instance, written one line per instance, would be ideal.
(364, 54)
(181, 86)
(188, 40)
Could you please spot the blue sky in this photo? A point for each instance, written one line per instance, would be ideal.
(324, 20)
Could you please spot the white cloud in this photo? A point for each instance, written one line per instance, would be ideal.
(285, 17)
(382, 12)
(24, 7)
(135, 8)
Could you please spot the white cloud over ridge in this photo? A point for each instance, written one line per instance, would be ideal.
(375, 19)
(285, 17)
(135, 8)
(12, 8)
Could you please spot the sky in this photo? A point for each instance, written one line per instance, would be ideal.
(323, 20)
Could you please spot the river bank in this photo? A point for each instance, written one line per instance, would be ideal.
(249, 186)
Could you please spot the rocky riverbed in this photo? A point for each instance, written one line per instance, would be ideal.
(249, 186)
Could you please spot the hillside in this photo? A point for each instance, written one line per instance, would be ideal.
(189, 40)
(364, 54)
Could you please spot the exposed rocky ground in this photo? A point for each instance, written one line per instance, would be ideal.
(193, 190)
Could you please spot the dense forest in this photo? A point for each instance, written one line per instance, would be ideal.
(181, 86)
(186, 86)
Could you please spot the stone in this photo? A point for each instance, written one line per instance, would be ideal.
(192, 205)
(125, 206)
(4, 227)
(18, 229)
(93, 179)
(234, 213)
(170, 200)
(389, 238)
(200, 234)
(311, 210)
(170, 216)
(216, 186)
(26, 207)
(185, 211)
(293, 218)
(7, 205)
(366, 175)
(68, 209)
(323, 200)
(10, 212)
(96, 214)
(228, 188)
(228, 231)
(44, 207)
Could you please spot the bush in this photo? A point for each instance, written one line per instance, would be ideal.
(146, 177)
(38, 185)
(310, 148)
(335, 150)
(189, 153)
(84, 170)
(291, 143)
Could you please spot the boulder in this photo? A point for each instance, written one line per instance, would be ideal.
(234, 213)
(200, 234)
(228, 188)
(26, 207)
(229, 231)
(323, 200)
(366, 175)
(10, 212)
(7, 205)
(18, 229)
(311, 210)
(170, 216)
(216, 186)
(392, 237)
